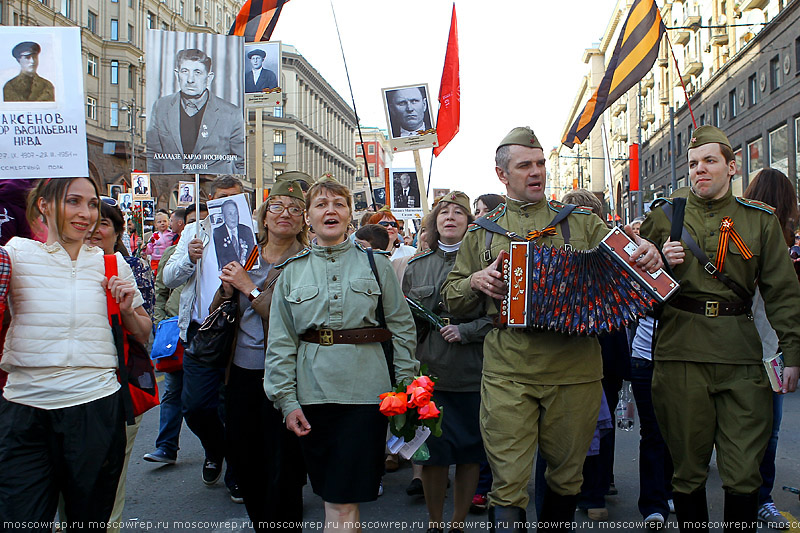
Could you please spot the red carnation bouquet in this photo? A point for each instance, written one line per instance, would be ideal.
(411, 408)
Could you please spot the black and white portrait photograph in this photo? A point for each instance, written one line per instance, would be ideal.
(405, 198)
(35, 63)
(125, 201)
(232, 229)
(140, 185)
(262, 74)
(185, 193)
(195, 118)
(148, 210)
(408, 113)
(114, 191)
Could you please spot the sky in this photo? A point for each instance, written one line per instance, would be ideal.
(520, 65)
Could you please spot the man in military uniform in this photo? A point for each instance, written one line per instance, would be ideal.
(709, 386)
(538, 387)
(28, 86)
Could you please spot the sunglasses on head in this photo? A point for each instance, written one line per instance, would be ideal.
(386, 223)
(108, 200)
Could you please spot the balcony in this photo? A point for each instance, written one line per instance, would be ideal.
(693, 22)
(648, 117)
(619, 106)
(693, 67)
(619, 135)
(747, 5)
(719, 37)
(648, 82)
(662, 61)
(682, 37)
(663, 97)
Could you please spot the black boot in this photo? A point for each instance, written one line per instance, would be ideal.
(741, 512)
(507, 519)
(691, 510)
(558, 512)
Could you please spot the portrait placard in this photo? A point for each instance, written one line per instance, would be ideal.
(191, 75)
(409, 116)
(262, 74)
(125, 201)
(405, 197)
(140, 185)
(114, 191)
(148, 210)
(185, 193)
(438, 193)
(232, 234)
(42, 117)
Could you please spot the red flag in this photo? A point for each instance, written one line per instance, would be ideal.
(449, 116)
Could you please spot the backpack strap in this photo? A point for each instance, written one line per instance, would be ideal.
(115, 319)
(388, 350)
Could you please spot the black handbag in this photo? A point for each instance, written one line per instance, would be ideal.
(212, 343)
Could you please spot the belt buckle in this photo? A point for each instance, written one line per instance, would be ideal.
(326, 337)
(446, 321)
(712, 309)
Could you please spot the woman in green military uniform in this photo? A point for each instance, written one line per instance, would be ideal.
(325, 366)
(454, 354)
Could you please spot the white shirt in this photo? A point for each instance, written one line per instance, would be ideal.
(256, 74)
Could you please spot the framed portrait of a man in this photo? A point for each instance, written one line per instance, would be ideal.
(195, 103)
(406, 200)
(262, 74)
(125, 201)
(409, 116)
(42, 103)
(148, 210)
(186, 195)
(140, 185)
(232, 232)
(114, 190)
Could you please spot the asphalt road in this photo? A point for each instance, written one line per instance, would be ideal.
(174, 499)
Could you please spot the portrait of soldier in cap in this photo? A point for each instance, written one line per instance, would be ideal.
(259, 77)
(28, 86)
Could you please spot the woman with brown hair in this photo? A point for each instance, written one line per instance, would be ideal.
(325, 366)
(454, 355)
(263, 453)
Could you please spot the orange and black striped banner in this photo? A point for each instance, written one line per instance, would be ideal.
(257, 19)
(634, 55)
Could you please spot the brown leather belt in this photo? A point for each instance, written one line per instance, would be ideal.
(709, 308)
(329, 337)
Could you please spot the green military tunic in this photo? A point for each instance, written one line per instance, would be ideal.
(457, 365)
(709, 387)
(25, 88)
(334, 287)
(539, 388)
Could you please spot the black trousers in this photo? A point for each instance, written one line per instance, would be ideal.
(264, 454)
(76, 451)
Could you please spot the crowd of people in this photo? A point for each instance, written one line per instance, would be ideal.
(322, 328)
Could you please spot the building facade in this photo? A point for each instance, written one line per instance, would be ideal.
(378, 158)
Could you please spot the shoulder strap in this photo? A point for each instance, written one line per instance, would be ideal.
(387, 347)
(491, 228)
(115, 319)
(561, 218)
(708, 266)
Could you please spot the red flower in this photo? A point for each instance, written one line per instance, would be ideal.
(393, 403)
(418, 396)
(428, 411)
(425, 382)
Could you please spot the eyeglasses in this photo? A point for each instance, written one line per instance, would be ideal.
(277, 209)
(386, 223)
(108, 200)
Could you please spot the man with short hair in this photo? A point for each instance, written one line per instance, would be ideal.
(193, 130)
(232, 241)
(407, 193)
(28, 86)
(259, 78)
(408, 111)
(201, 385)
(186, 195)
(710, 390)
(539, 387)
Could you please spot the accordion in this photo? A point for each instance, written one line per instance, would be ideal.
(586, 292)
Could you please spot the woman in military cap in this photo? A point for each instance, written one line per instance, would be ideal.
(325, 366)
(264, 454)
(454, 354)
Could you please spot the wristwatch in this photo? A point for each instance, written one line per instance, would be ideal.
(253, 294)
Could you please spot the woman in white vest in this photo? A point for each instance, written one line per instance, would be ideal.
(62, 426)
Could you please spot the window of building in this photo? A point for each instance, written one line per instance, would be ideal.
(130, 33)
(278, 136)
(131, 76)
(703, 119)
(44, 2)
(276, 158)
(797, 151)
(774, 73)
(732, 104)
(797, 56)
(277, 111)
(371, 170)
(114, 117)
(180, 8)
(164, 26)
(359, 150)
(91, 65)
(715, 115)
(114, 72)
(66, 8)
(679, 147)
(779, 149)
(114, 1)
(752, 90)
(371, 149)
(151, 20)
(91, 107)
(754, 160)
(114, 30)
(660, 156)
(130, 3)
(736, 182)
(91, 22)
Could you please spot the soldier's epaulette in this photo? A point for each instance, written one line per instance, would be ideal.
(756, 204)
(361, 248)
(557, 206)
(302, 253)
(492, 215)
(419, 255)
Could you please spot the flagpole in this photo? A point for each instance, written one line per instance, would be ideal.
(430, 174)
(639, 193)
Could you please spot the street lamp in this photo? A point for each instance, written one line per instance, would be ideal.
(133, 114)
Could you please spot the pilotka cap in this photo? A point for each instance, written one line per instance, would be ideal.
(522, 136)
(708, 134)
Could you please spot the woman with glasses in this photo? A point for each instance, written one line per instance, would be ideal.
(264, 454)
(396, 248)
(325, 366)
(62, 427)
